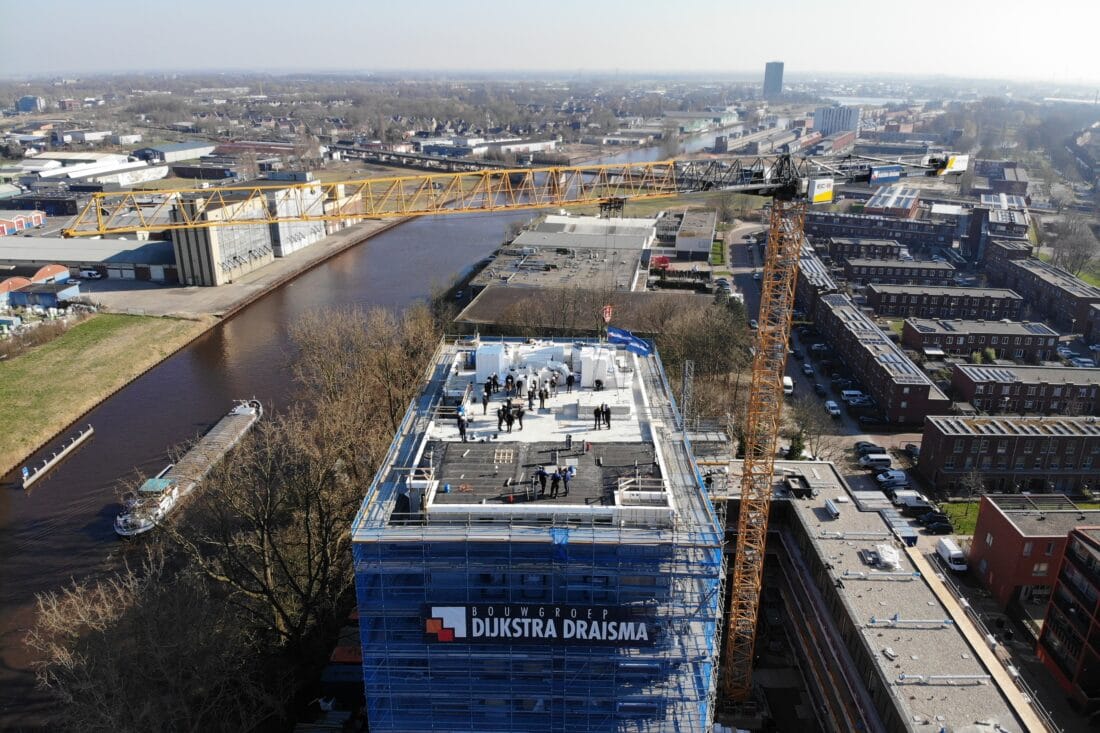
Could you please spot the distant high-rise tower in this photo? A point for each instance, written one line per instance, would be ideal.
(773, 78)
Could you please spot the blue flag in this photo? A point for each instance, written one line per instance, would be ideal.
(632, 343)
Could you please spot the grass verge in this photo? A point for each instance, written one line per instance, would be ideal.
(48, 387)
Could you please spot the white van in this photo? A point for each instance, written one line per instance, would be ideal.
(951, 554)
(788, 386)
(851, 394)
(875, 460)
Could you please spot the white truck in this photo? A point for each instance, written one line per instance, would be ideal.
(950, 553)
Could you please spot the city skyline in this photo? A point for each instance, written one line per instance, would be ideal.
(121, 35)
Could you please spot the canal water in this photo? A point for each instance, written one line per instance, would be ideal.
(62, 528)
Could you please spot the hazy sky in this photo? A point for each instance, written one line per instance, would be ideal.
(1054, 40)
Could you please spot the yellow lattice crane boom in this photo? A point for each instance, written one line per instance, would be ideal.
(126, 212)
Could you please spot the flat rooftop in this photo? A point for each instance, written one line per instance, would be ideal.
(1043, 515)
(561, 266)
(864, 241)
(946, 290)
(1029, 374)
(901, 264)
(885, 352)
(696, 223)
(1003, 201)
(588, 232)
(1058, 277)
(814, 270)
(958, 326)
(82, 250)
(1008, 425)
(1008, 216)
(542, 307)
(894, 197)
(634, 475)
(1015, 244)
(904, 626)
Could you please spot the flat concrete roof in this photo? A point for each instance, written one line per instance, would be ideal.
(81, 251)
(1010, 425)
(922, 640)
(588, 232)
(1029, 374)
(548, 267)
(864, 241)
(947, 290)
(896, 263)
(1043, 515)
(1016, 244)
(1058, 277)
(956, 327)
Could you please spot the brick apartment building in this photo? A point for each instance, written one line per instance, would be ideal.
(1029, 342)
(1069, 644)
(1028, 390)
(1092, 325)
(1063, 299)
(905, 395)
(908, 232)
(999, 252)
(873, 249)
(930, 301)
(898, 272)
(896, 200)
(1013, 453)
(1018, 544)
(814, 281)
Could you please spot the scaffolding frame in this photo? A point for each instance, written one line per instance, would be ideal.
(673, 573)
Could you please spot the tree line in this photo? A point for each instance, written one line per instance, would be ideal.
(227, 615)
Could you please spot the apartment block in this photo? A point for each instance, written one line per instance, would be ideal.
(1028, 390)
(1011, 453)
(903, 393)
(929, 301)
(1030, 342)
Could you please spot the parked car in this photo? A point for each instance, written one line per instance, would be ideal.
(808, 369)
(819, 348)
(871, 420)
(863, 447)
(892, 474)
(757, 276)
(933, 518)
(91, 275)
(912, 450)
(832, 408)
(939, 528)
(820, 390)
(753, 324)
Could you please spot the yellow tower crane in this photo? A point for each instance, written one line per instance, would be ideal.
(791, 181)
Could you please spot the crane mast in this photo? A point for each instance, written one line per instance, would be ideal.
(760, 433)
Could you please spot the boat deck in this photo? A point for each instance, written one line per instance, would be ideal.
(197, 462)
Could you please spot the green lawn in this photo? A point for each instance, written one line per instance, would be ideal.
(718, 253)
(48, 387)
(964, 515)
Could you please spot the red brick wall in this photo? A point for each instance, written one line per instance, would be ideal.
(1006, 567)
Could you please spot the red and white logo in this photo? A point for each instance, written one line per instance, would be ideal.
(607, 314)
(447, 623)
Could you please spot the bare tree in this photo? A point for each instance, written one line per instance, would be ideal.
(818, 429)
(972, 485)
(147, 650)
(1075, 246)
